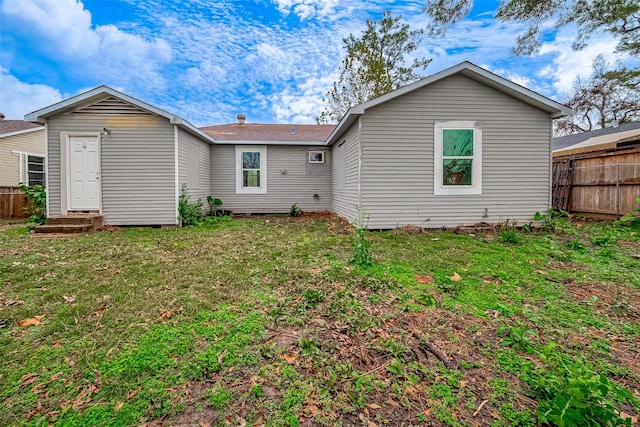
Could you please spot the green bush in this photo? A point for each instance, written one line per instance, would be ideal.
(36, 202)
(189, 213)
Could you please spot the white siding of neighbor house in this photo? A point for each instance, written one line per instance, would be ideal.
(345, 174)
(298, 185)
(137, 164)
(397, 158)
(29, 142)
(194, 156)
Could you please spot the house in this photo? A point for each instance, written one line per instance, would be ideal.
(111, 154)
(459, 147)
(22, 153)
(600, 172)
(292, 166)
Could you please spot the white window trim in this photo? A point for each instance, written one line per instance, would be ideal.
(262, 149)
(44, 160)
(315, 152)
(476, 170)
(23, 158)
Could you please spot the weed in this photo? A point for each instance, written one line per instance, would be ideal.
(570, 392)
(360, 245)
(551, 221)
(294, 210)
(214, 205)
(36, 202)
(519, 337)
(311, 298)
(219, 398)
(510, 236)
(189, 213)
(576, 245)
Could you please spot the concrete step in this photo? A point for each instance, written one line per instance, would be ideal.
(64, 228)
(72, 224)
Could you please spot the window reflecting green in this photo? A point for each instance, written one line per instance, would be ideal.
(456, 171)
(457, 142)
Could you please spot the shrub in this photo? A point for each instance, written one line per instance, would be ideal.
(36, 202)
(294, 210)
(189, 213)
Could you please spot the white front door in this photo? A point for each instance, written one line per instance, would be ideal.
(84, 167)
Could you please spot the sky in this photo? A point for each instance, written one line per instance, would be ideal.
(273, 60)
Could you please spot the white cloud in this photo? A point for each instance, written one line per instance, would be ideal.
(63, 30)
(306, 9)
(19, 98)
(567, 64)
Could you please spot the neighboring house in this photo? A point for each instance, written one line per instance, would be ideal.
(22, 153)
(566, 141)
(462, 146)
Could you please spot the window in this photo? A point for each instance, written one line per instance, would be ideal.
(316, 156)
(458, 158)
(35, 170)
(251, 169)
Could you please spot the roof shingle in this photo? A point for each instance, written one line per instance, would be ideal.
(8, 126)
(269, 132)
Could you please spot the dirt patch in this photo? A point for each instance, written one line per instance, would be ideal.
(613, 299)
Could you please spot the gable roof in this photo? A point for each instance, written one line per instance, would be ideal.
(562, 142)
(283, 134)
(15, 127)
(469, 70)
(98, 94)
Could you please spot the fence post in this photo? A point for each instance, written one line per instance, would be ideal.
(618, 190)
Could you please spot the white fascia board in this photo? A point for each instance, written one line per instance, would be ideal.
(250, 142)
(20, 132)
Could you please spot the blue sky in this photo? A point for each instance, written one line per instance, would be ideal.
(273, 60)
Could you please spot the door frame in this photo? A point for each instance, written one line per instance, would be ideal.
(67, 164)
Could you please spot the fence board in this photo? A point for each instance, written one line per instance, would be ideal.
(601, 183)
(12, 203)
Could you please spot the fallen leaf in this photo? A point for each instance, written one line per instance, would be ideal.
(165, 314)
(69, 299)
(495, 415)
(32, 321)
(373, 406)
(493, 313)
(99, 310)
(456, 277)
(290, 358)
(463, 384)
(532, 261)
(425, 279)
(311, 411)
(372, 424)
(540, 272)
(634, 419)
(118, 406)
(29, 379)
(427, 412)
(14, 302)
(132, 394)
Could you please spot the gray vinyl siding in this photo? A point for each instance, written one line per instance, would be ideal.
(298, 185)
(194, 158)
(397, 157)
(137, 166)
(345, 169)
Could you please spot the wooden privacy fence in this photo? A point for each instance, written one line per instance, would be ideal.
(602, 183)
(12, 203)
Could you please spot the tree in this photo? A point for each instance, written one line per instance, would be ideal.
(619, 17)
(374, 65)
(610, 96)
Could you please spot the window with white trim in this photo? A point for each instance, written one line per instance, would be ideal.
(457, 158)
(35, 170)
(251, 169)
(316, 156)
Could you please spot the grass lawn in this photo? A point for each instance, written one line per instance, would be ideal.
(265, 321)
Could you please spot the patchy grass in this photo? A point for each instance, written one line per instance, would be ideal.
(265, 321)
